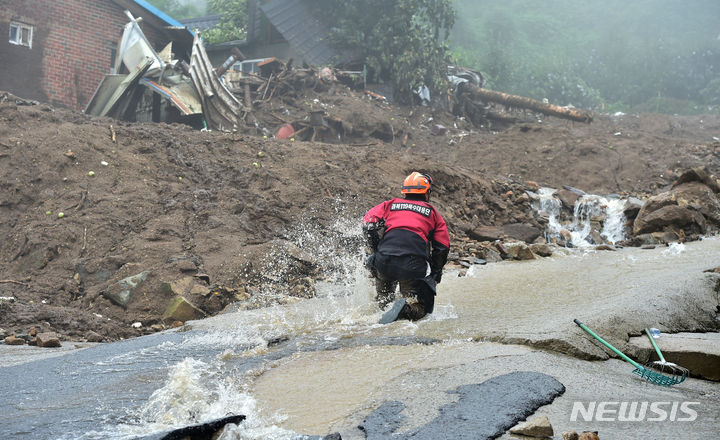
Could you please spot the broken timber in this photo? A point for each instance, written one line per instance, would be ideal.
(221, 109)
(477, 93)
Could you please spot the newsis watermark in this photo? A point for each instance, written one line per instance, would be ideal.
(634, 411)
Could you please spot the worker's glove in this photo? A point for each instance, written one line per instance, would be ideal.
(437, 276)
(370, 265)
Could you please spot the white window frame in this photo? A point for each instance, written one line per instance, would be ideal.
(19, 28)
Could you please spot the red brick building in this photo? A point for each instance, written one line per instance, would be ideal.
(58, 51)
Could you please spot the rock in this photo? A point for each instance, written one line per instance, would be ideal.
(605, 247)
(14, 340)
(92, 336)
(632, 207)
(541, 249)
(521, 231)
(490, 255)
(570, 435)
(538, 427)
(199, 289)
(438, 129)
(486, 233)
(698, 174)
(4, 333)
(180, 286)
(689, 206)
(181, 309)
(298, 254)
(589, 435)
(568, 198)
(670, 215)
(698, 352)
(185, 265)
(121, 292)
(48, 339)
(519, 251)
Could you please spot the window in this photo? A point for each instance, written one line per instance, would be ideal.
(21, 34)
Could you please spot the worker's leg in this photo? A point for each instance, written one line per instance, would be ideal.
(384, 291)
(420, 300)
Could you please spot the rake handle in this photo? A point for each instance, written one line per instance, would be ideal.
(655, 346)
(608, 345)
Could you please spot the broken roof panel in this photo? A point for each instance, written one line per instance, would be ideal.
(305, 32)
(182, 95)
(202, 23)
(172, 28)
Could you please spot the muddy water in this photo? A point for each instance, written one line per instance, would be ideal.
(321, 365)
(532, 302)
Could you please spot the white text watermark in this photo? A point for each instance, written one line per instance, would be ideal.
(629, 411)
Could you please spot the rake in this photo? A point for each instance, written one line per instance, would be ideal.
(645, 373)
(676, 371)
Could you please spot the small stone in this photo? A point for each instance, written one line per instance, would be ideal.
(589, 435)
(199, 289)
(180, 286)
(570, 435)
(538, 427)
(48, 339)
(541, 249)
(177, 324)
(157, 327)
(92, 336)
(181, 309)
(14, 340)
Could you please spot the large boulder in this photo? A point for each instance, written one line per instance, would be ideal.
(691, 205)
(522, 231)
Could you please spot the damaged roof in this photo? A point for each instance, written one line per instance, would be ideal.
(305, 32)
(172, 28)
(202, 23)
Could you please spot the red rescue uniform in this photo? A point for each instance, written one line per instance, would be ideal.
(412, 227)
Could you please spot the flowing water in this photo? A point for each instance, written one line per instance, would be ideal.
(588, 208)
(319, 365)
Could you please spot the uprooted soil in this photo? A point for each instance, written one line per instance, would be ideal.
(236, 212)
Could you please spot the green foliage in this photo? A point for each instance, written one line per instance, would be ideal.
(176, 9)
(401, 41)
(232, 26)
(611, 54)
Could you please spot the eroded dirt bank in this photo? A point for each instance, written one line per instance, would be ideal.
(222, 214)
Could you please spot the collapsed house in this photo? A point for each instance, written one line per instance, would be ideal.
(58, 52)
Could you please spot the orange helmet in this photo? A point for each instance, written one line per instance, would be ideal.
(417, 183)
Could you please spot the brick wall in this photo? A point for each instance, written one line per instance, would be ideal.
(76, 39)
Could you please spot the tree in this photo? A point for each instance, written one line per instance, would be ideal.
(401, 41)
(233, 24)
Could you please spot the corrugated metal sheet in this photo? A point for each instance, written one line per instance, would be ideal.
(202, 23)
(306, 33)
(221, 109)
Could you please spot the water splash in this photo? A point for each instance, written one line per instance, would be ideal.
(595, 219)
(674, 249)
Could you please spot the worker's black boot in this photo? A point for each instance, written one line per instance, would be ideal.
(395, 311)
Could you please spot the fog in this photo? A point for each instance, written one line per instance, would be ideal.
(652, 55)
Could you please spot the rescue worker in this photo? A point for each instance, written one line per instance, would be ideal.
(410, 244)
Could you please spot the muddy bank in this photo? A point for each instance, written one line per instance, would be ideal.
(107, 224)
